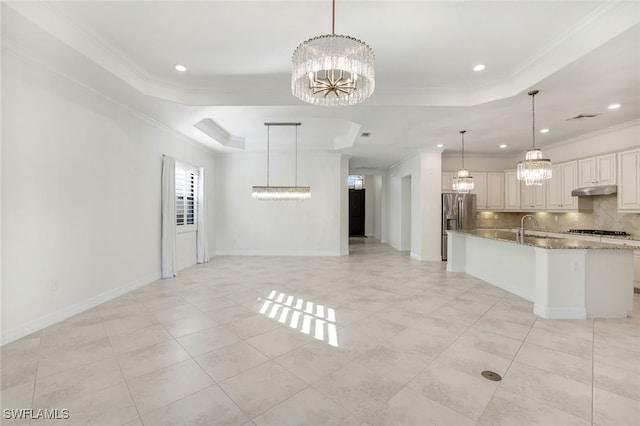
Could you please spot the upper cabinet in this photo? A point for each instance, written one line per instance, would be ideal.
(511, 191)
(495, 190)
(629, 181)
(564, 180)
(597, 171)
(480, 189)
(489, 190)
(498, 190)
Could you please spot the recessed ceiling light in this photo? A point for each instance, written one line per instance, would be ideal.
(440, 145)
(180, 68)
(478, 67)
(503, 146)
(614, 106)
(544, 130)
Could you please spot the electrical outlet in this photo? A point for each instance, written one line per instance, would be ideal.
(54, 285)
(555, 218)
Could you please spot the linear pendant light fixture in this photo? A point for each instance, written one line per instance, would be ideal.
(534, 169)
(462, 181)
(333, 70)
(281, 193)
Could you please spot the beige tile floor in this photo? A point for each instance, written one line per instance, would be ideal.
(374, 338)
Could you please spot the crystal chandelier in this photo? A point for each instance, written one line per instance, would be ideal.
(281, 193)
(463, 181)
(333, 70)
(534, 170)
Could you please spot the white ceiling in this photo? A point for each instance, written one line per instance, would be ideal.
(581, 55)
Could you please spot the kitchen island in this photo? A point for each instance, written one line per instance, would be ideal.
(565, 278)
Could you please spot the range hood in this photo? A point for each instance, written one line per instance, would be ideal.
(590, 191)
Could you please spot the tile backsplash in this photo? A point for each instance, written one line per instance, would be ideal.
(604, 216)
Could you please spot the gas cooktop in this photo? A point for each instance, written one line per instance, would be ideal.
(599, 232)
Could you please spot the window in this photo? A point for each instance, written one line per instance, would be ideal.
(355, 181)
(186, 195)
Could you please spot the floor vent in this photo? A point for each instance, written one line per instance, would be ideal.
(491, 375)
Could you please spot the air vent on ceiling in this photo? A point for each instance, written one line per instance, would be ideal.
(582, 116)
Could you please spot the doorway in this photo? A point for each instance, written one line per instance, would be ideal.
(356, 212)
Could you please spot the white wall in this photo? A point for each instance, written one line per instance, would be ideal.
(393, 199)
(344, 204)
(430, 206)
(618, 138)
(406, 213)
(80, 197)
(311, 227)
(613, 139)
(425, 171)
(373, 206)
(452, 161)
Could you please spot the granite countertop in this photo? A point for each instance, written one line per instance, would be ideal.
(543, 242)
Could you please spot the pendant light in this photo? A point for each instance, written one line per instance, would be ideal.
(333, 69)
(463, 181)
(281, 193)
(534, 169)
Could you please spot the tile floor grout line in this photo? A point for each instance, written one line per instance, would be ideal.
(35, 377)
(371, 295)
(124, 378)
(524, 339)
(463, 372)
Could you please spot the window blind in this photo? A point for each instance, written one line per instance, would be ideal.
(186, 195)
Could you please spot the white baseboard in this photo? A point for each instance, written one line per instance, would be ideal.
(559, 313)
(286, 253)
(69, 311)
(425, 258)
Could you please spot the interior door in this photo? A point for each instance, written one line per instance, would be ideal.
(356, 212)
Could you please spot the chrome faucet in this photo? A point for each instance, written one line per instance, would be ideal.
(521, 231)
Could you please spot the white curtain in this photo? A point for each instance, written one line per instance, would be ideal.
(202, 251)
(168, 232)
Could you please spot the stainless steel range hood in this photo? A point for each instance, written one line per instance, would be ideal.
(590, 191)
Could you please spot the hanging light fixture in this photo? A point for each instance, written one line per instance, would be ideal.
(462, 181)
(278, 193)
(534, 170)
(333, 70)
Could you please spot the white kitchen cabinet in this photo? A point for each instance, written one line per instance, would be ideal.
(533, 197)
(597, 171)
(446, 181)
(489, 190)
(629, 181)
(564, 180)
(636, 270)
(495, 190)
(480, 189)
(511, 191)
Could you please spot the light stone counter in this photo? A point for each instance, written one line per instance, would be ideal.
(565, 278)
(545, 242)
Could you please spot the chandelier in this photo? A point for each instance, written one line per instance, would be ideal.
(462, 181)
(534, 170)
(281, 193)
(333, 70)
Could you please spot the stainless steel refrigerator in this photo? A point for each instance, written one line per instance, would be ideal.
(458, 212)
